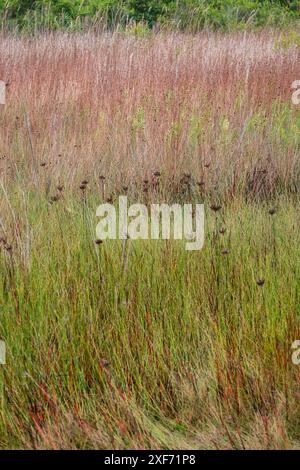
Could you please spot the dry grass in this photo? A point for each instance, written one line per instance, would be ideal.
(125, 106)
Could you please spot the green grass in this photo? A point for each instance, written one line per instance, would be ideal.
(194, 345)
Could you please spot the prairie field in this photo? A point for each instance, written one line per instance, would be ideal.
(142, 344)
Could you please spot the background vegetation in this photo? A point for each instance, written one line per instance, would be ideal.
(184, 14)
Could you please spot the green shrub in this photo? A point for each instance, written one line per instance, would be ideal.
(183, 14)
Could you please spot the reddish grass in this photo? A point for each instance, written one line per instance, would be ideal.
(126, 106)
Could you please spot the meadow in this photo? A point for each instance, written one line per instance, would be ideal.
(142, 344)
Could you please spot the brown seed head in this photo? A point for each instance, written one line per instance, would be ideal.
(215, 207)
(104, 363)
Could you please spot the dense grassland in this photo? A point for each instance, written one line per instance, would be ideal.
(141, 344)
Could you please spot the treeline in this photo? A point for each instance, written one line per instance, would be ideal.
(188, 15)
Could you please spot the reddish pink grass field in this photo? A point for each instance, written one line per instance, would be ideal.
(126, 106)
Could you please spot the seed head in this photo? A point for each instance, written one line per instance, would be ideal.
(104, 363)
(215, 207)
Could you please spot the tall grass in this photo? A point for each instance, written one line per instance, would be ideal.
(142, 344)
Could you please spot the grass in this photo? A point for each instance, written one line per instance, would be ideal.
(143, 344)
